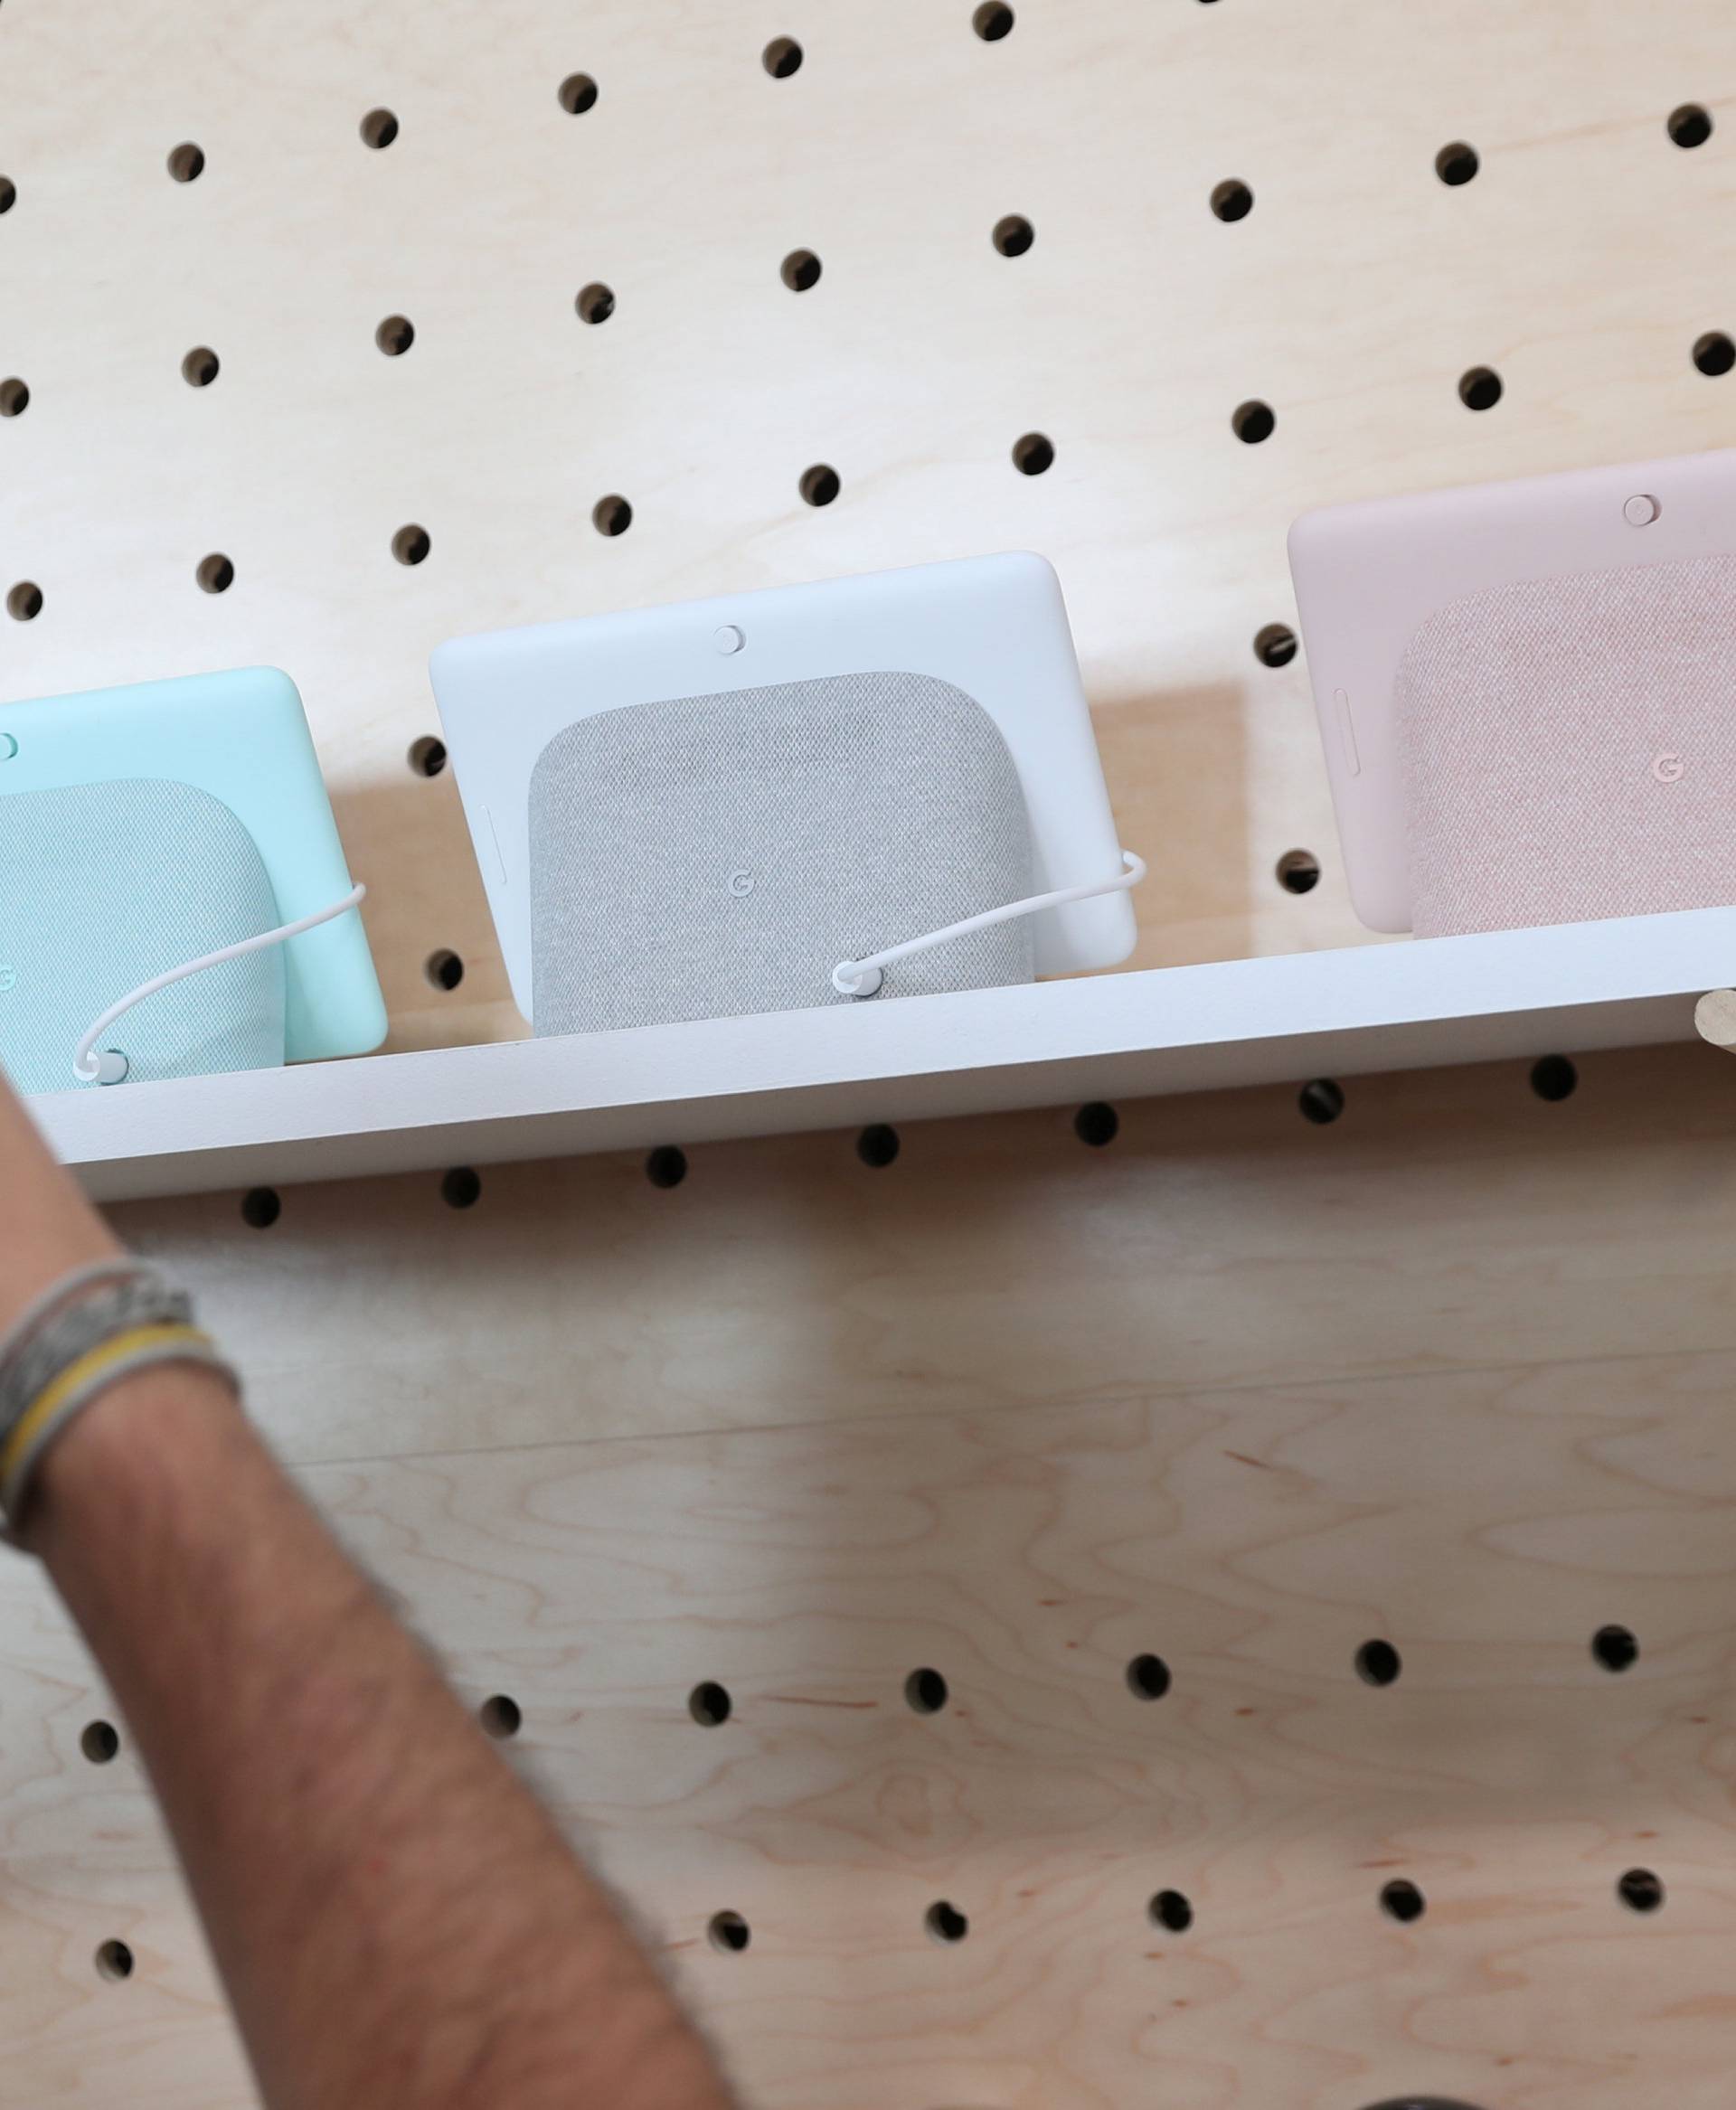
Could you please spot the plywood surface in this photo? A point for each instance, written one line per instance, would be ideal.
(1580, 264)
(1267, 1391)
(1234, 1389)
(1224, 1241)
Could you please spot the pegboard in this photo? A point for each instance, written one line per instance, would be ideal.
(1268, 1578)
(300, 312)
(1441, 1366)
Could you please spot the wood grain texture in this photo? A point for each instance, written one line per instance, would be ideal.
(1240, 1390)
(1448, 1219)
(1234, 1390)
(1350, 299)
(1487, 1524)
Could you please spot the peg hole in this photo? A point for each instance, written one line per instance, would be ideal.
(1097, 1124)
(1378, 1662)
(1253, 421)
(878, 1145)
(1480, 388)
(820, 484)
(101, 1742)
(1690, 124)
(710, 1704)
(1640, 1890)
(1714, 353)
(1615, 1648)
(925, 1691)
(501, 1717)
(1554, 1078)
(1321, 1101)
(461, 1187)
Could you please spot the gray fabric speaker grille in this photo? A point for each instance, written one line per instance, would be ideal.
(101, 887)
(1534, 720)
(711, 856)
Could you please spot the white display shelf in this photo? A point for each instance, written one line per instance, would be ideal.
(1404, 1005)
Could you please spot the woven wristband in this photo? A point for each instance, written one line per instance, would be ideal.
(84, 1334)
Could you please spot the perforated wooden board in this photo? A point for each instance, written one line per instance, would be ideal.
(1580, 264)
(1264, 1391)
(1235, 1390)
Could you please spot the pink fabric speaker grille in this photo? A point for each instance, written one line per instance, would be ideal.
(1570, 749)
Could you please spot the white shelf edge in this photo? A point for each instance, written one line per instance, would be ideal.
(1411, 1004)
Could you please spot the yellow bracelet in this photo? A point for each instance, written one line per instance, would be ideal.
(121, 1348)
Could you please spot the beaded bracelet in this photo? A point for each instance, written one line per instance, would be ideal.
(86, 1332)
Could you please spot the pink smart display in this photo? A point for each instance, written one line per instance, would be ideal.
(1528, 693)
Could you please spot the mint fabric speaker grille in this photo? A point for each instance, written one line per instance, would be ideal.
(101, 887)
(712, 856)
(1570, 749)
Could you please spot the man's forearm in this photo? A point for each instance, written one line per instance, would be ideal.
(396, 1918)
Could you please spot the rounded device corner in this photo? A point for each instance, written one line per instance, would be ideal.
(1307, 530)
(1038, 569)
(1379, 910)
(1121, 948)
(271, 686)
(371, 1024)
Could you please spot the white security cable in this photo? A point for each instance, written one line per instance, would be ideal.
(863, 977)
(110, 1066)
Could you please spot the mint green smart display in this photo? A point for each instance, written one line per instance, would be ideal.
(174, 897)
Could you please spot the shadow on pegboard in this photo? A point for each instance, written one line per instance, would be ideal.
(1177, 762)
(434, 944)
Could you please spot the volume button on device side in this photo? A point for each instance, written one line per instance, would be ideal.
(1346, 731)
(494, 843)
